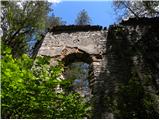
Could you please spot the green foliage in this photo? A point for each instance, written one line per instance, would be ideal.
(29, 91)
(21, 21)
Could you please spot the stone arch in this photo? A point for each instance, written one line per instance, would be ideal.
(81, 56)
(77, 57)
(86, 44)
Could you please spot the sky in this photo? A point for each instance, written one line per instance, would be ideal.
(100, 12)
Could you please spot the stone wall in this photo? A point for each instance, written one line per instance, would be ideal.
(131, 46)
(92, 42)
(111, 54)
(88, 46)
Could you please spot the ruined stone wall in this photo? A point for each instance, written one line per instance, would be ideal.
(92, 42)
(131, 46)
(58, 46)
(111, 54)
(89, 47)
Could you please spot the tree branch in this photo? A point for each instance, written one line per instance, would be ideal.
(131, 10)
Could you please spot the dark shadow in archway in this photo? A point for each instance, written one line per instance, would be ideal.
(77, 57)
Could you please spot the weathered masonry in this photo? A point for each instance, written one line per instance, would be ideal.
(78, 43)
(109, 54)
(86, 44)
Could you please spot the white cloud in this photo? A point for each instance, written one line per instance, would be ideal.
(54, 1)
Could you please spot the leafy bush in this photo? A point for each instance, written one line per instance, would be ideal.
(28, 91)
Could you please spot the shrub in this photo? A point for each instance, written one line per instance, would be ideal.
(28, 91)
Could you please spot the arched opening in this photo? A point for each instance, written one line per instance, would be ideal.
(77, 69)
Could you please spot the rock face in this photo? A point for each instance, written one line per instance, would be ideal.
(109, 53)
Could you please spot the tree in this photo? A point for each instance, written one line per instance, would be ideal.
(54, 21)
(136, 8)
(83, 18)
(21, 21)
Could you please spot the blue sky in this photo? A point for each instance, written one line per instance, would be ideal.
(101, 12)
